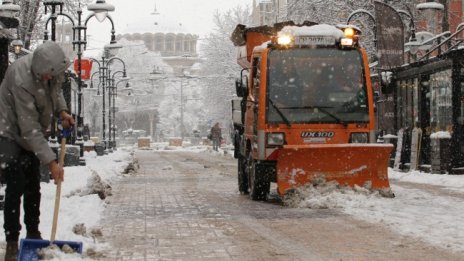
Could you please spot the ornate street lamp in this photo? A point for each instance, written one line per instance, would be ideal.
(104, 71)
(114, 93)
(101, 9)
(17, 45)
(371, 16)
(8, 10)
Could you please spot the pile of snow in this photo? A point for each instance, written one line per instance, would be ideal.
(450, 182)
(413, 212)
(326, 195)
(315, 30)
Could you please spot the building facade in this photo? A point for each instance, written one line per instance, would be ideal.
(166, 43)
(268, 12)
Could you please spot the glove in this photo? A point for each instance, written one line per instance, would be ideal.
(67, 120)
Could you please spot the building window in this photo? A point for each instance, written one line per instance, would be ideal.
(441, 105)
(407, 103)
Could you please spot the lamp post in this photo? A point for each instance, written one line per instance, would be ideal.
(104, 71)
(114, 93)
(17, 46)
(8, 10)
(101, 82)
(413, 44)
(185, 75)
(110, 84)
(100, 9)
(370, 15)
(111, 101)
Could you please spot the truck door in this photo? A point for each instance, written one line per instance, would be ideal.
(253, 106)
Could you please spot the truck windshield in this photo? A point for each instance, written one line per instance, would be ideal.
(316, 86)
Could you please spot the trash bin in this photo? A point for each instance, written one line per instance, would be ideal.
(391, 139)
(72, 156)
(100, 148)
(440, 153)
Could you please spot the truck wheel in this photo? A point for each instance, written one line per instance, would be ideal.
(259, 186)
(242, 176)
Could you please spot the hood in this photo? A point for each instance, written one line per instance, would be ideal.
(49, 58)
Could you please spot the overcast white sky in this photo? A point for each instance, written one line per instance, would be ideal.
(194, 14)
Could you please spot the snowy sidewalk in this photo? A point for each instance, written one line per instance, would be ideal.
(81, 202)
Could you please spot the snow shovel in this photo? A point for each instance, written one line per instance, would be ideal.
(28, 249)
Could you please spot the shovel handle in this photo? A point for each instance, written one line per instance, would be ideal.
(58, 191)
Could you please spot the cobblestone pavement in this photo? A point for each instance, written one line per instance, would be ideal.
(186, 206)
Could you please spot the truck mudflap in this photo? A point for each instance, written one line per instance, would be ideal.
(365, 165)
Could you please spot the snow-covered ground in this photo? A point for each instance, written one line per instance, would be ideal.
(78, 204)
(435, 218)
(427, 215)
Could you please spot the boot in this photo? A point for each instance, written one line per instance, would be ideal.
(11, 253)
(33, 235)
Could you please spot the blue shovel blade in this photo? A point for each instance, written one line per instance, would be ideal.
(28, 248)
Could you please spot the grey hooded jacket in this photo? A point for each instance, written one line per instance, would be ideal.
(27, 102)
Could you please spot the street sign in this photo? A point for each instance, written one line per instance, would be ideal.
(86, 68)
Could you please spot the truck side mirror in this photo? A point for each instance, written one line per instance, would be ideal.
(241, 87)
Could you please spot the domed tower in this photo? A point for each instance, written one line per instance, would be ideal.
(166, 36)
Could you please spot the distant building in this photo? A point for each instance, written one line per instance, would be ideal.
(64, 37)
(171, 39)
(268, 12)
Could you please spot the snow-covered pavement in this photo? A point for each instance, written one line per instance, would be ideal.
(425, 212)
(79, 202)
(426, 207)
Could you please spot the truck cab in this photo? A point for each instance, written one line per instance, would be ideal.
(309, 104)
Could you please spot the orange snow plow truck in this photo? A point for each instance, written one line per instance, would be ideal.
(306, 110)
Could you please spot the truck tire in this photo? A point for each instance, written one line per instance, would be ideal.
(259, 186)
(242, 176)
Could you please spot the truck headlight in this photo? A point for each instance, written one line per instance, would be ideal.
(276, 139)
(284, 40)
(359, 137)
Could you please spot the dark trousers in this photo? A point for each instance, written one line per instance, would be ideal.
(216, 143)
(21, 172)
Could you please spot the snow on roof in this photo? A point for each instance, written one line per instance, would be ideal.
(430, 5)
(315, 30)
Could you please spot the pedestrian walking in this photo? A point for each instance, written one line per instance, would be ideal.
(29, 95)
(216, 136)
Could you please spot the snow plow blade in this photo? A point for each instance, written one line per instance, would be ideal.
(365, 165)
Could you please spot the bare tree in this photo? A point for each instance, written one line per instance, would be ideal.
(220, 67)
(32, 16)
(335, 12)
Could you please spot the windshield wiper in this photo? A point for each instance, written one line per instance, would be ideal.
(280, 113)
(322, 109)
